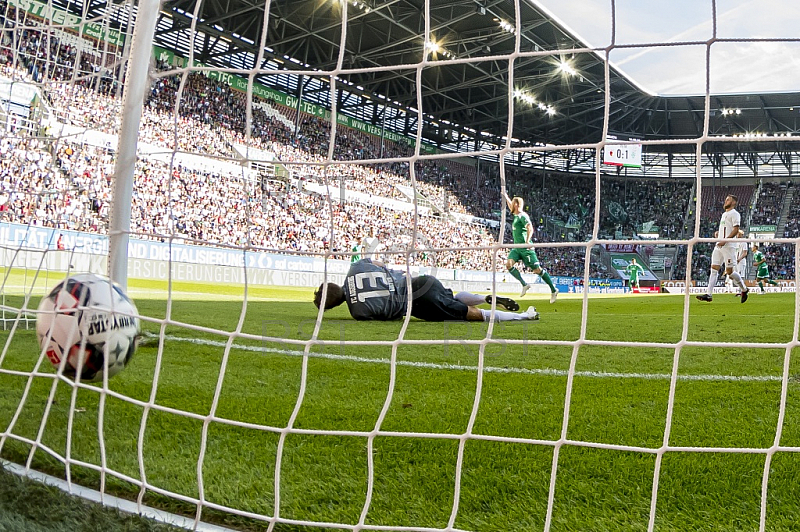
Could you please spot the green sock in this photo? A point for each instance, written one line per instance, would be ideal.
(517, 275)
(546, 278)
(773, 283)
(761, 285)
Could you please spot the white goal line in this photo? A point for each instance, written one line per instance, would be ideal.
(111, 501)
(461, 367)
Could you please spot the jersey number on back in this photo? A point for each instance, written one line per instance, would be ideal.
(367, 285)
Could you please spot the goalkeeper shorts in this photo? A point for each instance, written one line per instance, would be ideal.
(433, 302)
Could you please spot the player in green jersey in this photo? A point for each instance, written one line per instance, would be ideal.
(760, 264)
(633, 269)
(357, 250)
(522, 229)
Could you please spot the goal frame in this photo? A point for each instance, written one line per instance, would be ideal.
(137, 80)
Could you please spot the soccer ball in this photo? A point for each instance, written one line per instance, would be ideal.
(91, 322)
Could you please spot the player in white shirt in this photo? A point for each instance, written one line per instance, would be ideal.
(741, 264)
(370, 245)
(725, 252)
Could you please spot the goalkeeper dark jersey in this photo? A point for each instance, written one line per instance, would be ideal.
(375, 292)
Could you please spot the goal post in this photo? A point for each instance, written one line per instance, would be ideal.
(137, 83)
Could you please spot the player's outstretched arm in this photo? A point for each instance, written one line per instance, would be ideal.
(508, 200)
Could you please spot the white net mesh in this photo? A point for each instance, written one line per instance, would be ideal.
(246, 406)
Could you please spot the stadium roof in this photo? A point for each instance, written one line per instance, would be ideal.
(559, 98)
(391, 33)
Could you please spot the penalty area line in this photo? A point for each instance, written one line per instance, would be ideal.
(460, 367)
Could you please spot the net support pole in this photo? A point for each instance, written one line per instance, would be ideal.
(137, 80)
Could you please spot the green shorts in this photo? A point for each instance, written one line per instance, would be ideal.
(527, 256)
(762, 273)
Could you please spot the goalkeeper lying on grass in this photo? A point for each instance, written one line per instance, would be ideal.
(374, 292)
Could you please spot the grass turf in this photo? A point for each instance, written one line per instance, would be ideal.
(616, 398)
(29, 506)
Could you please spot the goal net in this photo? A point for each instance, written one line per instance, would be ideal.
(222, 163)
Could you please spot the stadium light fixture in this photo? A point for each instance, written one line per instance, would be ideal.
(533, 102)
(567, 69)
(359, 4)
(436, 48)
(433, 46)
(525, 97)
(506, 26)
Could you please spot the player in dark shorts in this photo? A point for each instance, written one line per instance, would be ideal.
(374, 292)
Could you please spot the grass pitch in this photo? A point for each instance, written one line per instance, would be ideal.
(30, 506)
(725, 398)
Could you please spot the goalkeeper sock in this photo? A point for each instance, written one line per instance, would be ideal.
(472, 300)
(712, 282)
(517, 275)
(761, 285)
(546, 278)
(501, 315)
(738, 280)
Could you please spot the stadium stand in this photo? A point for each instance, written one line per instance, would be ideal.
(714, 197)
(769, 203)
(792, 227)
(213, 208)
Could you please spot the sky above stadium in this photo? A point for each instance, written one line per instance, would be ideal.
(678, 70)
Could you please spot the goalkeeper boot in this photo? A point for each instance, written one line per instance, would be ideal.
(553, 296)
(525, 289)
(709, 299)
(532, 314)
(505, 302)
(744, 295)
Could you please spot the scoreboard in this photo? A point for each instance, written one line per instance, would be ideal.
(622, 154)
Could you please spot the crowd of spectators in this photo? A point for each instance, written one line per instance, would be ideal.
(45, 57)
(769, 204)
(659, 203)
(780, 259)
(701, 252)
(197, 114)
(72, 191)
(628, 206)
(701, 262)
(792, 227)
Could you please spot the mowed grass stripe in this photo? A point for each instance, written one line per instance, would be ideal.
(460, 367)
